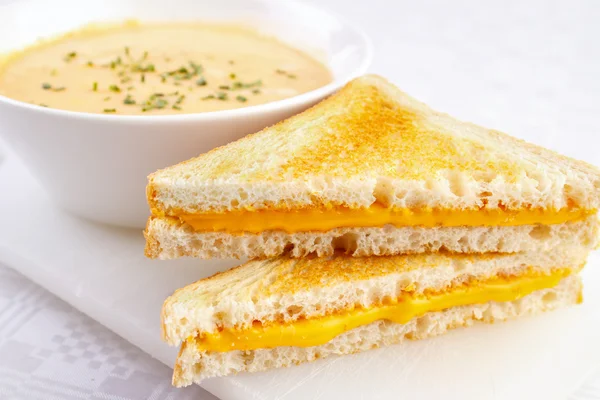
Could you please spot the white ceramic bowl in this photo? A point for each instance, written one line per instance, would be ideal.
(96, 165)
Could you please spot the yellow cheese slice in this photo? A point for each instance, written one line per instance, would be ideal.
(318, 331)
(304, 220)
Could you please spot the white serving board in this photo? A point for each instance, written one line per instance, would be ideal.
(101, 270)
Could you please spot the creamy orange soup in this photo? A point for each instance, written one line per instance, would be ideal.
(141, 69)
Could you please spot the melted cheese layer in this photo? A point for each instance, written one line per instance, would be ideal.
(318, 331)
(304, 220)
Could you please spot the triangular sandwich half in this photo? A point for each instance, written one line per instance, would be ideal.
(371, 171)
(286, 311)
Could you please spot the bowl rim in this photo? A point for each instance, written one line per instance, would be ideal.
(274, 106)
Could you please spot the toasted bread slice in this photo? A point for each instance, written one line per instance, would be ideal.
(373, 143)
(369, 147)
(169, 238)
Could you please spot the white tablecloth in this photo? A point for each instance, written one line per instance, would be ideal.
(49, 350)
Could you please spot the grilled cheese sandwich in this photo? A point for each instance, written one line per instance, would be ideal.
(367, 171)
(271, 309)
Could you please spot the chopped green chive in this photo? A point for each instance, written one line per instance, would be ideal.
(129, 100)
(160, 103)
(241, 85)
(209, 97)
(95, 87)
(232, 76)
(256, 91)
(126, 79)
(43, 105)
(110, 110)
(196, 67)
(182, 77)
(107, 98)
(201, 82)
(47, 86)
(156, 101)
(90, 64)
(282, 72)
(224, 87)
(114, 88)
(241, 99)
(143, 68)
(221, 95)
(183, 73)
(70, 56)
(143, 78)
(176, 107)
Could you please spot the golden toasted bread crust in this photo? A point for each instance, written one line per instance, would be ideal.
(152, 249)
(369, 143)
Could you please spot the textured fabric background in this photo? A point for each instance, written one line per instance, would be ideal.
(49, 350)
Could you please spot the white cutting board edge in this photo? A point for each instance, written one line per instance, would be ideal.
(544, 356)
